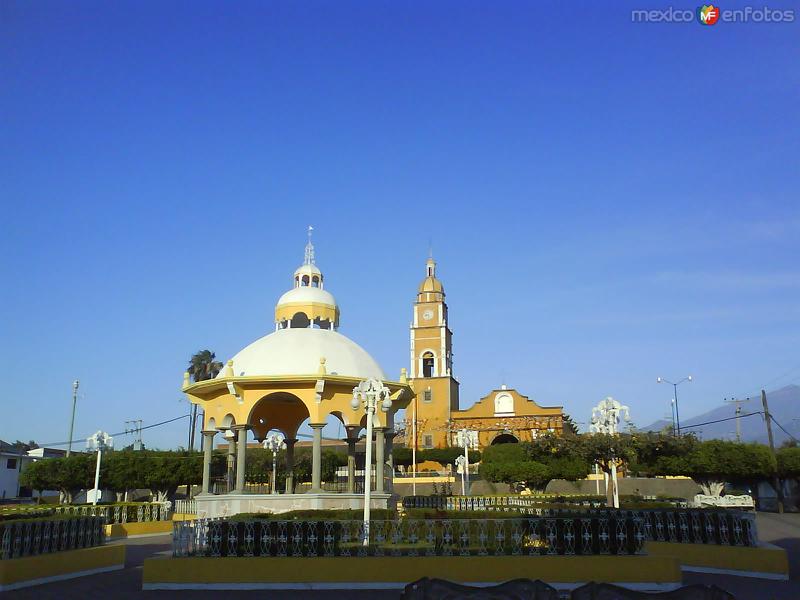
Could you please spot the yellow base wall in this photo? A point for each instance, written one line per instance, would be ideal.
(118, 530)
(476, 569)
(15, 572)
(183, 517)
(764, 559)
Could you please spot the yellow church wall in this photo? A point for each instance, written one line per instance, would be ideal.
(523, 407)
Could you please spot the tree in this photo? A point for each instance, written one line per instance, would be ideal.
(69, 475)
(789, 462)
(661, 453)
(37, 476)
(570, 428)
(202, 366)
(535, 463)
(124, 470)
(715, 462)
(165, 471)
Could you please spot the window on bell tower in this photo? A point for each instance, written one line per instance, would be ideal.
(428, 362)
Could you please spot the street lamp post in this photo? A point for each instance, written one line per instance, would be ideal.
(672, 405)
(99, 441)
(461, 467)
(605, 419)
(274, 442)
(75, 385)
(464, 435)
(367, 395)
(675, 398)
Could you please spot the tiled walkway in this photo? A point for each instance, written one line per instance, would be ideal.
(782, 530)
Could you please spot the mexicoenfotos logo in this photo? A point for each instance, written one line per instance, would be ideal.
(708, 15)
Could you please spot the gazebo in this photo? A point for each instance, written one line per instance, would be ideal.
(304, 371)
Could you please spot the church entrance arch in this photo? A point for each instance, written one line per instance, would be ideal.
(504, 438)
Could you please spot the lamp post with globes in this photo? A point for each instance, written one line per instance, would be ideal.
(99, 441)
(368, 395)
(274, 442)
(675, 398)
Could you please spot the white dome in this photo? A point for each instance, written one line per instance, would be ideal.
(297, 352)
(308, 270)
(307, 295)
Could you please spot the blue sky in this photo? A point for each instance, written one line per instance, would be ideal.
(608, 201)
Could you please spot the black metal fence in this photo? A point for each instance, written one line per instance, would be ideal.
(693, 526)
(622, 535)
(34, 536)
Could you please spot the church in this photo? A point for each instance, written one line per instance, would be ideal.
(434, 419)
(306, 372)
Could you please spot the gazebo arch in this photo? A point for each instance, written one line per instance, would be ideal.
(278, 410)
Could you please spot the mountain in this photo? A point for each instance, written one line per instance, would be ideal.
(784, 404)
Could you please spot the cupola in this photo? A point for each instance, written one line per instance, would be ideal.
(307, 304)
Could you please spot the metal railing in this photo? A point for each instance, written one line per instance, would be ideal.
(489, 502)
(220, 486)
(691, 526)
(187, 507)
(39, 536)
(120, 513)
(410, 537)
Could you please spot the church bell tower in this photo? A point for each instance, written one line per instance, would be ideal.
(432, 363)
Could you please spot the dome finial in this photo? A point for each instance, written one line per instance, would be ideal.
(309, 258)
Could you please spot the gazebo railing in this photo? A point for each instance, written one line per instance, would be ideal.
(410, 537)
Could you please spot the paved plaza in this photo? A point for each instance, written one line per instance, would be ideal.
(782, 530)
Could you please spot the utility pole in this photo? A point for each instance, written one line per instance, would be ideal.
(136, 430)
(75, 385)
(776, 482)
(738, 404)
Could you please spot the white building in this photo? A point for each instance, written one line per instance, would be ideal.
(13, 461)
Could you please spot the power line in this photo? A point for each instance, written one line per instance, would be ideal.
(721, 420)
(51, 444)
(784, 429)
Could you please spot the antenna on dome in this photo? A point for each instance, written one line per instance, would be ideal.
(309, 259)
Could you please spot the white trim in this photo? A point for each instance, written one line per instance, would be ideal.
(443, 354)
(413, 357)
(62, 577)
(378, 585)
(758, 574)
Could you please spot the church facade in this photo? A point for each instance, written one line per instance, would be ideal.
(435, 419)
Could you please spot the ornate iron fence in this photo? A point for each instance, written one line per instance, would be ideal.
(120, 513)
(411, 537)
(35, 536)
(700, 526)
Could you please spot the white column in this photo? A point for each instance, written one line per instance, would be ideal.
(316, 458)
(241, 456)
(208, 445)
(380, 460)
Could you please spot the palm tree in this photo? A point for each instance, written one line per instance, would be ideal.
(202, 366)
